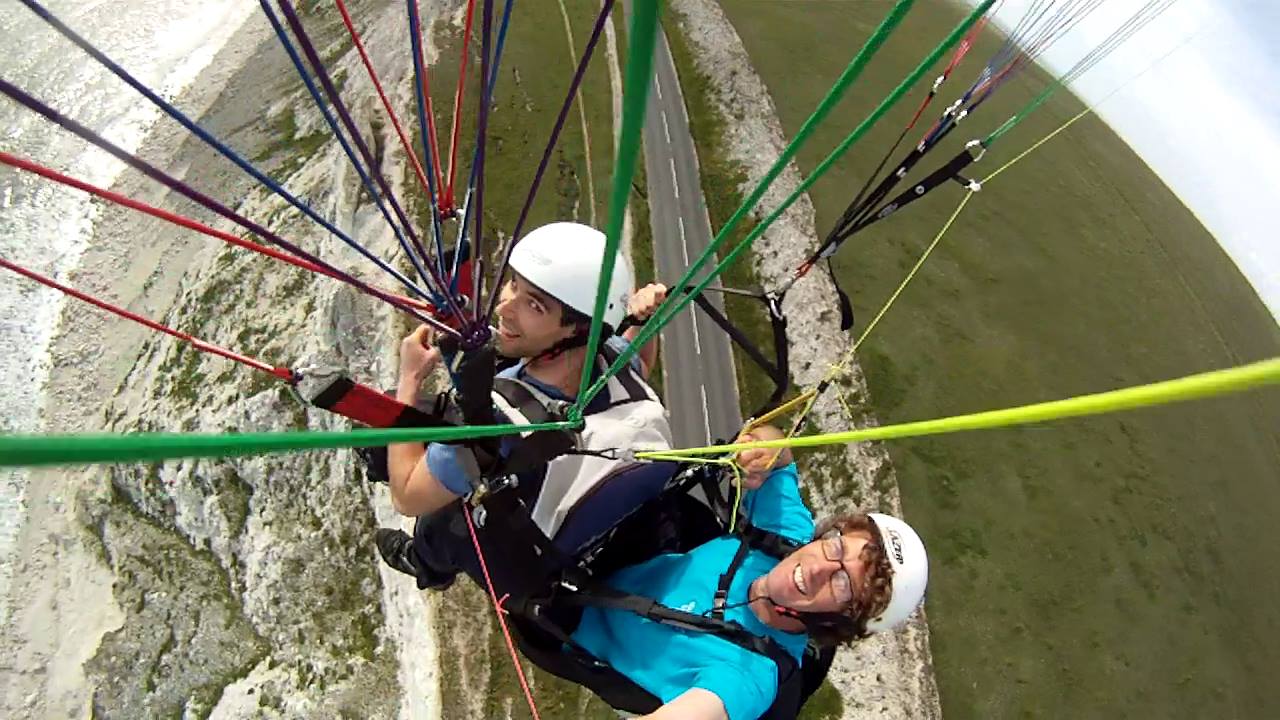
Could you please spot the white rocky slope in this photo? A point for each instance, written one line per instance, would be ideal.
(223, 588)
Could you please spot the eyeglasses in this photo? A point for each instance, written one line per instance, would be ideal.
(833, 550)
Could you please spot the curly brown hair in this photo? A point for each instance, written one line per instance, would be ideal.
(873, 598)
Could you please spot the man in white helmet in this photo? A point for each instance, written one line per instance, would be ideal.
(854, 574)
(543, 318)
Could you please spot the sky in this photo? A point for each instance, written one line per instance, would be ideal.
(1206, 118)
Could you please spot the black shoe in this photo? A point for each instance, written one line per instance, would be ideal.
(396, 549)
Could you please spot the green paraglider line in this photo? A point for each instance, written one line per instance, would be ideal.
(642, 39)
(1215, 383)
(81, 449)
(677, 302)
(154, 447)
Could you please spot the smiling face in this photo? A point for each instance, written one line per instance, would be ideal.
(529, 320)
(808, 581)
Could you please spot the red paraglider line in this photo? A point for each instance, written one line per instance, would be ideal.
(51, 174)
(457, 106)
(281, 372)
(386, 104)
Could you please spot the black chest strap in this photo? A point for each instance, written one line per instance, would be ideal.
(726, 579)
(752, 538)
(594, 594)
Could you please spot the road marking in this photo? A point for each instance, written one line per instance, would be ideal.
(697, 344)
(657, 87)
(684, 248)
(666, 130)
(706, 414)
(675, 181)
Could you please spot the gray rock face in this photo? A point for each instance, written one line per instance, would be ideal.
(185, 635)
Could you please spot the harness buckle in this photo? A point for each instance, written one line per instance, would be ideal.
(978, 144)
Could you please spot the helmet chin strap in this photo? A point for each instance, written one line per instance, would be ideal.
(812, 621)
(576, 340)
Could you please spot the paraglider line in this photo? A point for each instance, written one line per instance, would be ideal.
(461, 245)
(206, 347)
(457, 97)
(365, 179)
(314, 59)
(642, 38)
(194, 195)
(386, 104)
(186, 222)
(677, 302)
(426, 126)
(141, 447)
(578, 75)
(1242, 378)
(213, 142)
(480, 328)
(500, 613)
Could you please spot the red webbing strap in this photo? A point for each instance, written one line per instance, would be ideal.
(370, 407)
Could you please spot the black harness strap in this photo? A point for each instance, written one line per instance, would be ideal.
(769, 543)
(753, 538)
(592, 594)
(726, 579)
(779, 370)
(862, 213)
(949, 171)
(630, 383)
(539, 448)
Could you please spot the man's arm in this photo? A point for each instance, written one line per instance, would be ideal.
(693, 704)
(759, 462)
(414, 490)
(642, 306)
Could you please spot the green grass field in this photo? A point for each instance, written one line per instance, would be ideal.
(1116, 567)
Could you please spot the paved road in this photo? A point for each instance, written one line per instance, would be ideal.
(697, 361)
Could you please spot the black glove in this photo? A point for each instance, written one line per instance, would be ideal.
(472, 372)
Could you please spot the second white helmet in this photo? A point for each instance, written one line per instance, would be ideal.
(564, 259)
(910, 564)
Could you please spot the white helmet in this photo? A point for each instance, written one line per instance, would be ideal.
(564, 259)
(910, 564)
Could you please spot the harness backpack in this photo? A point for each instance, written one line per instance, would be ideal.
(675, 521)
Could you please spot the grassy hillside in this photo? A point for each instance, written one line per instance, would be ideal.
(1114, 567)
